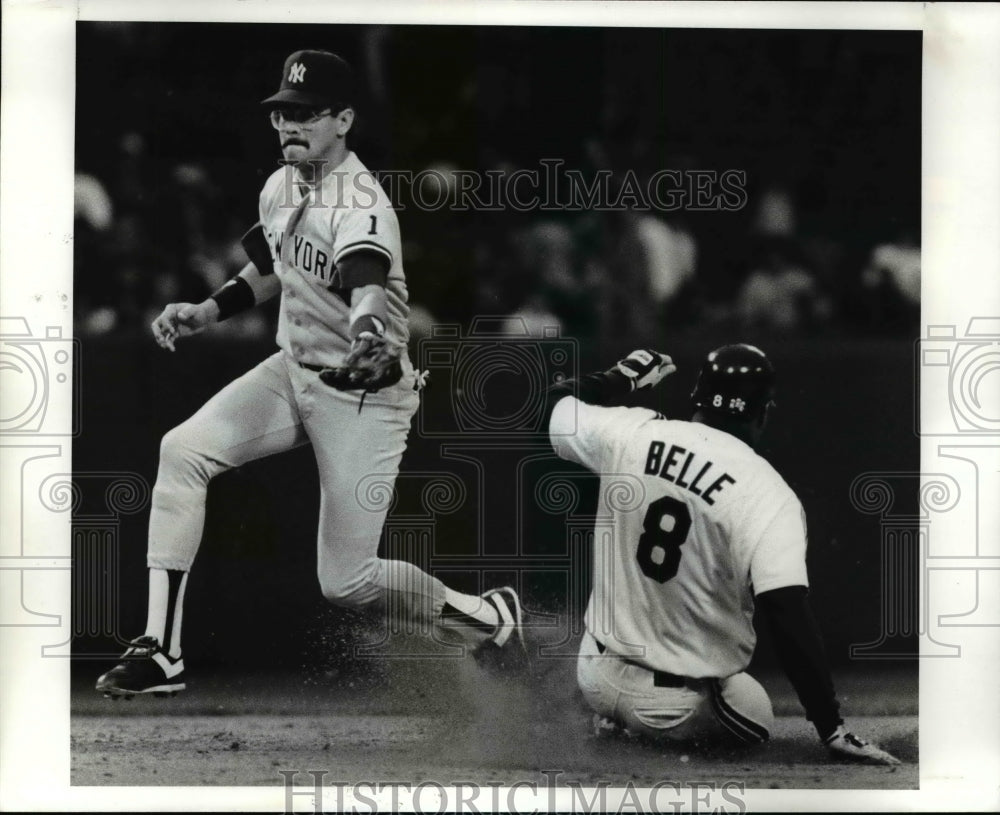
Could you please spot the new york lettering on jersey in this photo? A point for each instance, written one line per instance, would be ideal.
(344, 214)
(305, 255)
(310, 259)
(310, 231)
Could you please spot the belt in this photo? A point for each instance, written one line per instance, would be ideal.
(661, 679)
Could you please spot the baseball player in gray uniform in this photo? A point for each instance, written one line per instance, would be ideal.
(714, 531)
(328, 242)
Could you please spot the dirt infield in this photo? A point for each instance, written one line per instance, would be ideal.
(251, 750)
(444, 723)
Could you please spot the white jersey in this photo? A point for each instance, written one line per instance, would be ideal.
(712, 524)
(347, 213)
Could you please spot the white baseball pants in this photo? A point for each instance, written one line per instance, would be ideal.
(272, 408)
(629, 694)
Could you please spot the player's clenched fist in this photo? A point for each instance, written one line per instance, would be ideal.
(182, 320)
(645, 368)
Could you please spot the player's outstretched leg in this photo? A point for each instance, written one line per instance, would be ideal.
(491, 625)
(246, 420)
(357, 475)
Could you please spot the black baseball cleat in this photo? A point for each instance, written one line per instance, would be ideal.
(144, 668)
(505, 653)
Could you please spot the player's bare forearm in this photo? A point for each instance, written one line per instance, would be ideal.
(244, 291)
(369, 309)
(182, 320)
(371, 295)
(374, 361)
(264, 286)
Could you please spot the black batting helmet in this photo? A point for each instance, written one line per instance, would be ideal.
(735, 381)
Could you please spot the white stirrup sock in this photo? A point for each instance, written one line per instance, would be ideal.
(166, 608)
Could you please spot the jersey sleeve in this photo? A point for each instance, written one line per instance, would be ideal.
(268, 193)
(373, 229)
(779, 559)
(587, 434)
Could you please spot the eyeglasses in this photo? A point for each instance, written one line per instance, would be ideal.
(303, 117)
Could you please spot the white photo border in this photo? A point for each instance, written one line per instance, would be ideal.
(961, 261)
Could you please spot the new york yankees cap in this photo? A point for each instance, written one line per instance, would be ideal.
(316, 79)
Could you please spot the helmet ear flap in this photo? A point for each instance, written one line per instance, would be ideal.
(765, 413)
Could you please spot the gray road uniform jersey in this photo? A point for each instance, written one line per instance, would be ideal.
(348, 212)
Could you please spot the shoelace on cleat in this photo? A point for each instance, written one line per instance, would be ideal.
(144, 649)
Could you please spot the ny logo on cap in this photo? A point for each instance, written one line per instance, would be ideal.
(297, 73)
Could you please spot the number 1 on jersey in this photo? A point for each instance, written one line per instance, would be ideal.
(372, 230)
(668, 542)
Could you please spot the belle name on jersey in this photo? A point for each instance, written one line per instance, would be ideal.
(686, 469)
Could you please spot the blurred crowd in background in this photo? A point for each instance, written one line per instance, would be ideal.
(172, 150)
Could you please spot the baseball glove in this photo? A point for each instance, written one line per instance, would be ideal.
(372, 364)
